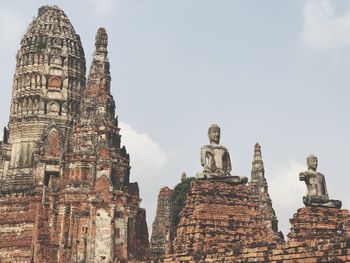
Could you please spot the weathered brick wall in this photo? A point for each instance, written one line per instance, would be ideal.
(18, 215)
(310, 223)
(212, 232)
(290, 252)
(219, 216)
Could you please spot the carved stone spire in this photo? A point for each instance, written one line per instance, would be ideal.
(100, 166)
(260, 190)
(97, 131)
(101, 40)
(98, 103)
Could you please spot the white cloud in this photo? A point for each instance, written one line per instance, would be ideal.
(325, 30)
(286, 192)
(147, 158)
(102, 8)
(148, 166)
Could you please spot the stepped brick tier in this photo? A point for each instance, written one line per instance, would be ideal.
(162, 225)
(321, 223)
(318, 234)
(291, 252)
(220, 216)
(65, 190)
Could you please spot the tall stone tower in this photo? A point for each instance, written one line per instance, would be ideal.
(108, 222)
(260, 190)
(47, 89)
(65, 191)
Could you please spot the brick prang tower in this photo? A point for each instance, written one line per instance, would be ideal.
(65, 191)
(47, 89)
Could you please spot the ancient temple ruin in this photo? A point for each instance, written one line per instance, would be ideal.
(226, 219)
(65, 190)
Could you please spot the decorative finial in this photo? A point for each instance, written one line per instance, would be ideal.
(101, 40)
(257, 147)
(257, 164)
(42, 10)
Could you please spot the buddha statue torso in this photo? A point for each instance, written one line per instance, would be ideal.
(215, 159)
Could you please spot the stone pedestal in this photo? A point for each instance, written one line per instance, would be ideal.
(319, 223)
(219, 217)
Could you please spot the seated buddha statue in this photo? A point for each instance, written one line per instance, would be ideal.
(215, 159)
(317, 194)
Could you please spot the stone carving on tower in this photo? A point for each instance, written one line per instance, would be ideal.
(64, 178)
(317, 194)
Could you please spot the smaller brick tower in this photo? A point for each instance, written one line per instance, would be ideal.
(260, 190)
(162, 226)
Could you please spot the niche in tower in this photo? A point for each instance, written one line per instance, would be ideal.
(51, 181)
(55, 83)
(54, 108)
(52, 146)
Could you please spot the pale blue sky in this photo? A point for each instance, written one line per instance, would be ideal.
(276, 72)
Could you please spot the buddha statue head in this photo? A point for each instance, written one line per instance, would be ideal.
(214, 134)
(312, 162)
